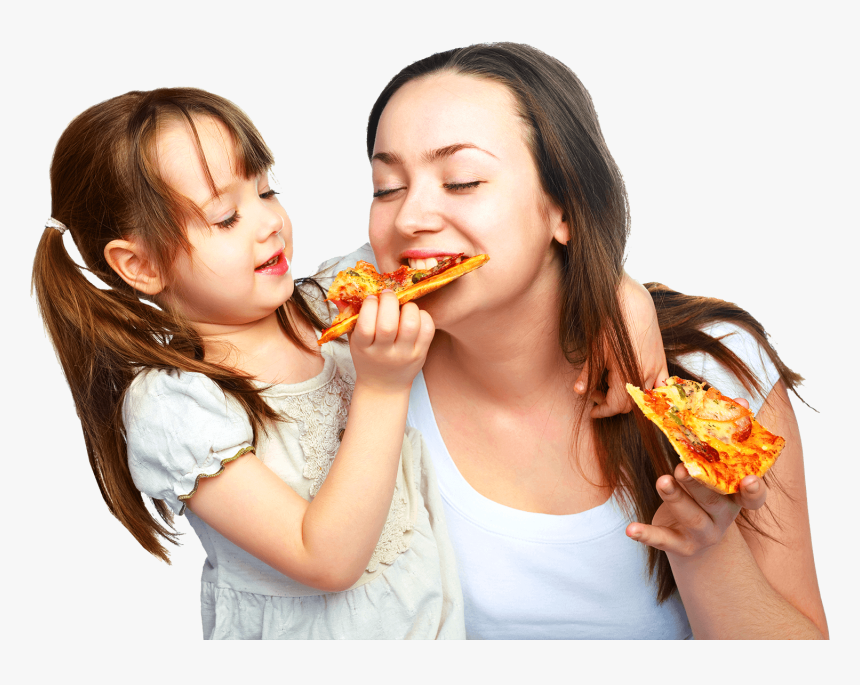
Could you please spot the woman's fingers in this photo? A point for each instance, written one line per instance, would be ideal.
(753, 493)
(659, 537)
(720, 508)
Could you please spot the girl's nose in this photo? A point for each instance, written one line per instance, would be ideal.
(271, 222)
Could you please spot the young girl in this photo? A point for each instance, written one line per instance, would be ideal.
(216, 403)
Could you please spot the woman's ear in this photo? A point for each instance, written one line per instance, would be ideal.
(560, 227)
(129, 260)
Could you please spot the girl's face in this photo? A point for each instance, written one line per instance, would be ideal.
(239, 271)
(452, 173)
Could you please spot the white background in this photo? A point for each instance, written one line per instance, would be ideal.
(734, 125)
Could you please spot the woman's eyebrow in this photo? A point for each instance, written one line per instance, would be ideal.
(431, 155)
(448, 150)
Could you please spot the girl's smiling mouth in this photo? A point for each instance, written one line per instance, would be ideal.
(276, 266)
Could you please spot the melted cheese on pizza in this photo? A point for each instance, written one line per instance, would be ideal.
(717, 439)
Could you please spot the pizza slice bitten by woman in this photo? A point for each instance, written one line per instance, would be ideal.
(718, 440)
(352, 286)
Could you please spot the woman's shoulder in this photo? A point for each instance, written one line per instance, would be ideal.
(745, 346)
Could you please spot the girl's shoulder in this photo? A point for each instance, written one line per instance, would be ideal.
(329, 268)
(178, 427)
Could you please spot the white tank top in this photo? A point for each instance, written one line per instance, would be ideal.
(541, 576)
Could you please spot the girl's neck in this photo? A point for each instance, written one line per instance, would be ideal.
(262, 350)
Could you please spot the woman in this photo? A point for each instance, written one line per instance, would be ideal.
(497, 149)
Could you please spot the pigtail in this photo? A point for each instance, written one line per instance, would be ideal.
(81, 321)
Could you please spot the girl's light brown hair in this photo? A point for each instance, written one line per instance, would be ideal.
(105, 185)
(579, 174)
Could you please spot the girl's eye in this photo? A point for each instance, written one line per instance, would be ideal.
(461, 186)
(387, 191)
(269, 194)
(229, 221)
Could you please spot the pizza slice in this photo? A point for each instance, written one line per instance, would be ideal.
(352, 286)
(717, 439)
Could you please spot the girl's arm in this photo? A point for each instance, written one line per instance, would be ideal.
(734, 582)
(327, 543)
(644, 331)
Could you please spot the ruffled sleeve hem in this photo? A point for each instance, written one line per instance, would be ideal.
(182, 498)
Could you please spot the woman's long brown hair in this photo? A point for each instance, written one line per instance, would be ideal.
(105, 185)
(579, 174)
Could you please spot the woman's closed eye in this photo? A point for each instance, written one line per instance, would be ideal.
(462, 186)
(468, 185)
(385, 191)
(269, 194)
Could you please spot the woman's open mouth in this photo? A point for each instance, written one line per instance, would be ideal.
(276, 266)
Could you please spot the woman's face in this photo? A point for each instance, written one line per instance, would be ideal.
(452, 173)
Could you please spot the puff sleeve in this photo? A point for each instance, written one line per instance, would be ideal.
(180, 427)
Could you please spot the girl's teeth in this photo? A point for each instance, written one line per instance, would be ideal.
(423, 264)
(430, 263)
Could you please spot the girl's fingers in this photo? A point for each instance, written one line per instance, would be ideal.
(365, 328)
(387, 318)
(410, 324)
(426, 332)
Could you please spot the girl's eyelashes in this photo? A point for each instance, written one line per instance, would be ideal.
(235, 216)
(229, 221)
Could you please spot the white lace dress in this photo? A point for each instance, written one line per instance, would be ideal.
(181, 427)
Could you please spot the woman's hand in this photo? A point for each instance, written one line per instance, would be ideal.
(644, 332)
(389, 343)
(692, 516)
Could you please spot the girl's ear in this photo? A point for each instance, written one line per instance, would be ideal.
(129, 260)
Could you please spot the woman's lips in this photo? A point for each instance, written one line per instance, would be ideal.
(276, 268)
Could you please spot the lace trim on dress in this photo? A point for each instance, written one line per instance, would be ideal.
(238, 454)
(392, 541)
(321, 417)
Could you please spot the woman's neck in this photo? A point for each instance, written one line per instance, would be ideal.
(510, 355)
(263, 350)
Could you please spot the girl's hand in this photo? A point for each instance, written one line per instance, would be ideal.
(389, 343)
(692, 517)
(644, 331)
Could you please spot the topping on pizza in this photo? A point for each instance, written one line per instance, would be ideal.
(352, 286)
(717, 439)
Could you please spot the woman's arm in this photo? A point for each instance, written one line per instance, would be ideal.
(734, 582)
(327, 543)
(644, 331)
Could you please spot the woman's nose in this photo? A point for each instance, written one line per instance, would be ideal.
(419, 212)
